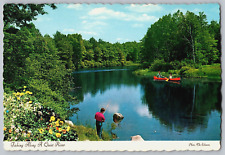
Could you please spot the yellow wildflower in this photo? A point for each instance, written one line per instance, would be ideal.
(30, 93)
(61, 122)
(58, 135)
(60, 129)
(24, 90)
(52, 118)
(21, 94)
(30, 101)
(24, 87)
(50, 131)
(68, 129)
(28, 135)
(18, 98)
(4, 128)
(41, 130)
(57, 123)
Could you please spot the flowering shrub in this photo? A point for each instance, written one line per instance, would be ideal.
(25, 119)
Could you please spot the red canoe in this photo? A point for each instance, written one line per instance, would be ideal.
(164, 79)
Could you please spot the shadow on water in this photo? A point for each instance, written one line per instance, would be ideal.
(182, 106)
(95, 80)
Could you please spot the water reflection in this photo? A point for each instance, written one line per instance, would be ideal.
(157, 110)
(187, 105)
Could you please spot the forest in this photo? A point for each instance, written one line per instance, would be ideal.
(182, 39)
(44, 63)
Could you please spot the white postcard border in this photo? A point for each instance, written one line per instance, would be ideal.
(119, 145)
(113, 146)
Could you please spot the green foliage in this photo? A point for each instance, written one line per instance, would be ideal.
(21, 15)
(33, 60)
(25, 119)
(92, 53)
(203, 71)
(160, 65)
(180, 37)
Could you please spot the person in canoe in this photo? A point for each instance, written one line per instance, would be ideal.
(170, 76)
(159, 75)
(100, 118)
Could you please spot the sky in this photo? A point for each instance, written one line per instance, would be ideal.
(113, 23)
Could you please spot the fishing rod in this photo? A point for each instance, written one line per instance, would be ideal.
(107, 106)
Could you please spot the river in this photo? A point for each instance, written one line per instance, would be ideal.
(156, 110)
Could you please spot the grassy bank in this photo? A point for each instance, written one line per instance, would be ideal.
(25, 119)
(131, 63)
(89, 134)
(204, 71)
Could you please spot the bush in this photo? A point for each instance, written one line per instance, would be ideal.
(176, 65)
(184, 69)
(211, 70)
(146, 64)
(192, 72)
(161, 65)
(25, 119)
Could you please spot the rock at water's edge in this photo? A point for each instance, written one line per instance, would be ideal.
(137, 138)
(69, 122)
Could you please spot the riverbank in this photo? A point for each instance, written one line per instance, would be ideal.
(204, 71)
(25, 119)
(108, 64)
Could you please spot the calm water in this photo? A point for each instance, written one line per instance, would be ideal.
(156, 110)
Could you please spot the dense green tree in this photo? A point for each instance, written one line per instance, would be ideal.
(214, 30)
(97, 54)
(23, 14)
(182, 37)
(17, 48)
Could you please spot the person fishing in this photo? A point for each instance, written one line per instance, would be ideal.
(100, 118)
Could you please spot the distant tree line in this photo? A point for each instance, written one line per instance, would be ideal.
(77, 53)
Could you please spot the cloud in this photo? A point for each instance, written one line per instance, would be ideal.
(80, 32)
(88, 33)
(137, 25)
(122, 40)
(143, 111)
(196, 10)
(84, 21)
(113, 108)
(43, 19)
(104, 13)
(69, 30)
(74, 6)
(93, 25)
(144, 8)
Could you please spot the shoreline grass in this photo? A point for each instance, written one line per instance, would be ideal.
(205, 71)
